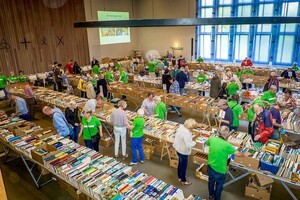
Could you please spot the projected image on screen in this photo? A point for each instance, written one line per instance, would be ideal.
(113, 35)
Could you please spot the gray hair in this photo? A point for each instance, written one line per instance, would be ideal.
(273, 87)
(140, 112)
(224, 130)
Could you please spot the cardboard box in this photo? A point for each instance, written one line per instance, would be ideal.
(173, 153)
(40, 158)
(200, 158)
(41, 134)
(252, 163)
(262, 180)
(106, 142)
(202, 108)
(174, 163)
(212, 110)
(148, 151)
(257, 192)
(18, 128)
(201, 172)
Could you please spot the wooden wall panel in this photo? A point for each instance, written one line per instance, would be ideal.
(37, 20)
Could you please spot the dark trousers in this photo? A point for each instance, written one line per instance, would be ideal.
(54, 86)
(202, 93)
(182, 166)
(216, 181)
(59, 86)
(137, 144)
(31, 107)
(233, 128)
(92, 145)
(251, 130)
(83, 94)
(25, 117)
(75, 135)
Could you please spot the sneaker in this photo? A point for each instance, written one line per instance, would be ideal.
(142, 161)
(124, 157)
(132, 163)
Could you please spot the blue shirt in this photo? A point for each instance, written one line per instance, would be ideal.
(21, 106)
(174, 88)
(276, 115)
(60, 123)
(181, 78)
(65, 79)
(228, 117)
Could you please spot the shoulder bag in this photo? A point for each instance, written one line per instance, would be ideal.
(94, 138)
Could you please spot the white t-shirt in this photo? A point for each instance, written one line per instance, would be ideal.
(91, 104)
(149, 106)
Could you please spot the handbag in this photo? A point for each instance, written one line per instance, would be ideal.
(94, 138)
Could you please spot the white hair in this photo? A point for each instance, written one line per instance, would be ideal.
(140, 112)
(224, 130)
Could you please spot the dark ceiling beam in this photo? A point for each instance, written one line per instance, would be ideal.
(187, 22)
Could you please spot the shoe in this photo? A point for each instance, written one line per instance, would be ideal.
(172, 111)
(142, 161)
(116, 156)
(179, 180)
(132, 163)
(210, 198)
(124, 157)
(186, 183)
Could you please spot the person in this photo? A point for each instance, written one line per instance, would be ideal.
(94, 62)
(65, 79)
(255, 100)
(96, 69)
(263, 124)
(239, 72)
(215, 86)
(12, 78)
(70, 67)
(269, 97)
(183, 145)
(90, 129)
(165, 79)
(276, 120)
(59, 121)
(174, 89)
(236, 110)
(30, 99)
(58, 77)
(102, 85)
(187, 72)
(200, 60)
(109, 75)
(295, 67)
(21, 107)
(148, 104)
(160, 110)
(223, 93)
(76, 68)
(181, 61)
(3, 83)
(71, 114)
(247, 62)
(119, 121)
(52, 72)
(90, 91)
(219, 150)
(123, 76)
(289, 101)
(166, 62)
(232, 87)
(173, 61)
(289, 73)
(273, 81)
(22, 77)
(169, 55)
(247, 71)
(182, 79)
(201, 78)
(82, 84)
(92, 103)
(227, 118)
(137, 130)
(151, 66)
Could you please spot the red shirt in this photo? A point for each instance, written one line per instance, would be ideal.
(69, 67)
(246, 63)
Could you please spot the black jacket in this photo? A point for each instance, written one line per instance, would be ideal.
(72, 117)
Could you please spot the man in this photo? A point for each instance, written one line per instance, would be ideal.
(148, 104)
(3, 83)
(219, 151)
(187, 72)
(200, 60)
(275, 111)
(263, 126)
(201, 78)
(151, 66)
(59, 120)
(94, 62)
(96, 69)
(181, 61)
(226, 117)
(289, 73)
(236, 110)
(58, 77)
(70, 67)
(255, 100)
(109, 75)
(30, 100)
(22, 78)
(93, 103)
(12, 78)
(169, 55)
(295, 67)
(232, 87)
(269, 97)
(21, 108)
(174, 89)
(246, 62)
(182, 79)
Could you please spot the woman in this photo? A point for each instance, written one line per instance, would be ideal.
(165, 79)
(71, 114)
(215, 86)
(102, 83)
(109, 75)
(289, 101)
(236, 110)
(119, 121)
(148, 104)
(123, 76)
(223, 94)
(160, 110)
(90, 91)
(137, 137)
(82, 84)
(90, 128)
(76, 68)
(272, 81)
(183, 144)
(232, 87)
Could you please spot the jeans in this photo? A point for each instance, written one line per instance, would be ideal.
(31, 107)
(174, 108)
(181, 90)
(234, 128)
(54, 86)
(76, 132)
(92, 145)
(276, 134)
(251, 130)
(137, 144)
(216, 181)
(182, 166)
(25, 117)
(120, 132)
(59, 86)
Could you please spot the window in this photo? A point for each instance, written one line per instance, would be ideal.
(241, 47)
(207, 2)
(244, 11)
(222, 47)
(285, 50)
(262, 44)
(205, 46)
(225, 2)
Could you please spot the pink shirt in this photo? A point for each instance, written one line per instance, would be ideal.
(28, 92)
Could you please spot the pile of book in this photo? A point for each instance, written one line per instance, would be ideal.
(238, 138)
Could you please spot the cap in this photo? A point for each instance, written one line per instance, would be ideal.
(222, 102)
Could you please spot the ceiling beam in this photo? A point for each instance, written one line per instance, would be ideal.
(187, 22)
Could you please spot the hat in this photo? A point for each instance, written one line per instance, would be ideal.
(222, 102)
(253, 93)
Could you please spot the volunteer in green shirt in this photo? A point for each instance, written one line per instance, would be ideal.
(22, 77)
(109, 76)
(137, 137)
(151, 66)
(90, 129)
(239, 73)
(199, 60)
(160, 109)
(117, 66)
(12, 78)
(237, 111)
(3, 81)
(232, 87)
(255, 100)
(295, 67)
(219, 150)
(269, 97)
(96, 69)
(123, 76)
(247, 71)
(201, 77)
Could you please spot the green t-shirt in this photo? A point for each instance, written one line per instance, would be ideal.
(124, 78)
(166, 63)
(23, 78)
(269, 97)
(90, 128)
(238, 74)
(3, 81)
(201, 78)
(117, 67)
(94, 82)
(237, 110)
(109, 77)
(160, 109)
(295, 68)
(251, 109)
(96, 69)
(199, 60)
(246, 71)
(138, 127)
(219, 150)
(151, 67)
(232, 88)
(13, 79)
